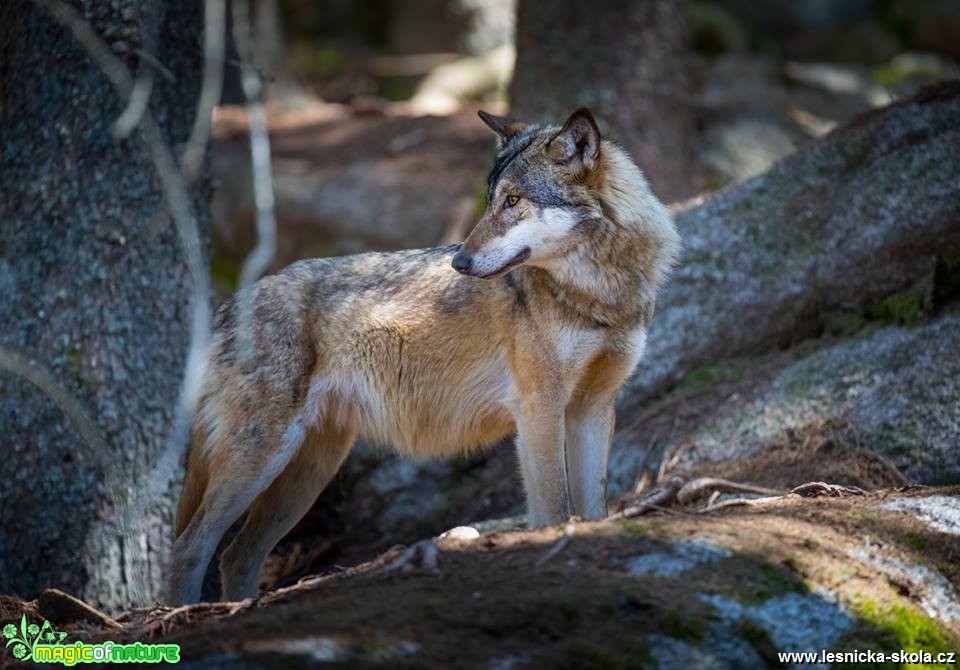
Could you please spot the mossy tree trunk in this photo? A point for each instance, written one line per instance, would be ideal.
(92, 291)
(624, 59)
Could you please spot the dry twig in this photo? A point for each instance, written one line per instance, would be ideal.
(660, 496)
(697, 487)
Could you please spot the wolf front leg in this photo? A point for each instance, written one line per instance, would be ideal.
(589, 434)
(589, 424)
(540, 448)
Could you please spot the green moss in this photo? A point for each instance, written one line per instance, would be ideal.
(915, 541)
(767, 581)
(397, 87)
(74, 355)
(308, 60)
(845, 323)
(911, 629)
(903, 308)
(708, 375)
(893, 629)
(906, 307)
(327, 62)
(224, 269)
(632, 527)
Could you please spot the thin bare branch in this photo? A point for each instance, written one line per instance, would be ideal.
(152, 60)
(213, 54)
(137, 103)
(262, 255)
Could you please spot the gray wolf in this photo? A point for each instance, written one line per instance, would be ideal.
(529, 327)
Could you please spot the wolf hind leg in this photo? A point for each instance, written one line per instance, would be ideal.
(277, 509)
(242, 471)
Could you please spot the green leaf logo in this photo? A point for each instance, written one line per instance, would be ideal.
(25, 640)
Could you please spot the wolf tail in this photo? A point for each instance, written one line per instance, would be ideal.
(195, 482)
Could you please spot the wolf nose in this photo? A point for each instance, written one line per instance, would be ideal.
(462, 262)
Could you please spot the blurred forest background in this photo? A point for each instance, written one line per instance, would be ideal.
(810, 150)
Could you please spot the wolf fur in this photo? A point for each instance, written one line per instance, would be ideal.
(534, 334)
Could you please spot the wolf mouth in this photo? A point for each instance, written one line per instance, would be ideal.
(523, 255)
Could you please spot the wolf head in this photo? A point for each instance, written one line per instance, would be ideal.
(542, 187)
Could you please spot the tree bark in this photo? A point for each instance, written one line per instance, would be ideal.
(624, 60)
(89, 290)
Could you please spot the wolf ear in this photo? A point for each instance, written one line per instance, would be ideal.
(577, 145)
(504, 127)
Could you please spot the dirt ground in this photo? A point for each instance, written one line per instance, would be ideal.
(572, 597)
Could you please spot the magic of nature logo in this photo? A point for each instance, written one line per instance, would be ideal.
(45, 644)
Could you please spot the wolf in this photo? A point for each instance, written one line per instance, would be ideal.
(529, 327)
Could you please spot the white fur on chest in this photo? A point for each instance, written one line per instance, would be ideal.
(576, 346)
(635, 343)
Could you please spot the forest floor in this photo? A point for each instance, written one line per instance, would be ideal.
(676, 588)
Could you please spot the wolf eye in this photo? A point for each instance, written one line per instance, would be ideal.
(511, 200)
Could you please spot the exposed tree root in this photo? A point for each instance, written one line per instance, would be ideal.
(697, 487)
(818, 489)
(677, 492)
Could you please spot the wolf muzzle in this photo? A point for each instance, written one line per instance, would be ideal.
(462, 262)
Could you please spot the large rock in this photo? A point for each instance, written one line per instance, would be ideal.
(854, 410)
(839, 227)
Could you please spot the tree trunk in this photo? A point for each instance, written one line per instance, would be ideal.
(90, 290)
(624, 59)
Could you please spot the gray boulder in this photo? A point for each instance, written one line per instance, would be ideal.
(844, 227)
